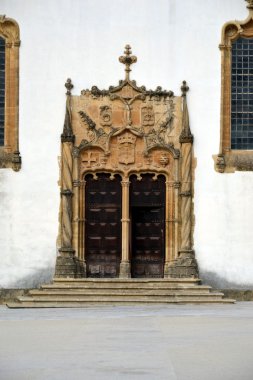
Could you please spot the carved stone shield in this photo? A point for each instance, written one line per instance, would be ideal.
(126, 150)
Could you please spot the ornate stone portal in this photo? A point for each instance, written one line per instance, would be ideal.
(126, 135)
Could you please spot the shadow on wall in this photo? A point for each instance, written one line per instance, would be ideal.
(34, 280)
(212, 279)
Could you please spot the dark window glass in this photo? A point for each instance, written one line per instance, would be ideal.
(2, 89)
(242, 94)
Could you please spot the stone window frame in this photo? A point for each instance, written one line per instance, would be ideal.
(230, 160)
(9, 152)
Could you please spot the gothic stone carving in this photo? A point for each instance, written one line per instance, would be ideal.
(148, 117)
(124, 130)
(126, 148)
(105, 116)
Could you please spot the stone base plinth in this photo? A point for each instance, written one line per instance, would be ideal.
(184, 266)
(125, 270)
(67, 265)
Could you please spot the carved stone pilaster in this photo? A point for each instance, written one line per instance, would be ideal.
(186, 199)
(185, 265)
(66, 196)
(67, 264)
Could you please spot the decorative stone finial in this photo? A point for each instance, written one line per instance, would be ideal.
(186, 135)
(184, 88)
(68, 86)
(250, 2)
(127, 60)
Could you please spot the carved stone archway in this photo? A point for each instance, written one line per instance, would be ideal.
(127, 130)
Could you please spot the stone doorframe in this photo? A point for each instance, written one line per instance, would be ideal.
(127, 130)
(171, 223)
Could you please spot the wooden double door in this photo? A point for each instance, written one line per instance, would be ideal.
(103, 232)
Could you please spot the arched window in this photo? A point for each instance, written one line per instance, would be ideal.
(2, 89)
(9, 91)
(242, 94)
(236, 140)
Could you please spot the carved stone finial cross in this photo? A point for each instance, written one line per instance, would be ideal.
(127, 60)
(250, 6)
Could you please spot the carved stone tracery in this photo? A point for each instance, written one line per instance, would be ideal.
(128, 130)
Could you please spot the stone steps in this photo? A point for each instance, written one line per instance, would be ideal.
(80, 304)
(127, 287)
(120, 297)
(131, 281)
(84, 292)
(121, 291)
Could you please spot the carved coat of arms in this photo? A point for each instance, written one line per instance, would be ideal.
(126, 150)
(148, 116)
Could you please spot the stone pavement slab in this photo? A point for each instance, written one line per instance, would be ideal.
(172, 342)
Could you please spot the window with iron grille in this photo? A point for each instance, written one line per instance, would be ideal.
(9, 94)
(236, 126)
(242, 94)
(2, 89)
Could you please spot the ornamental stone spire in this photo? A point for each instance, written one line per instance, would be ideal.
(127, 60)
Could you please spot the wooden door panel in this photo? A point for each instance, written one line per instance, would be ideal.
(103, 226)
(147, 202)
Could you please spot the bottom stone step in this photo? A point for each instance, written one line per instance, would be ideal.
(31, 304)
(76, 301)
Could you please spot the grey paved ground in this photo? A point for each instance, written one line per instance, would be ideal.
(141, 342)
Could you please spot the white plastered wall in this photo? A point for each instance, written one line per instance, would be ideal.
(82, 39)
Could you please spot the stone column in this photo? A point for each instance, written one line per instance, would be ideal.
(185, 264)
(168, 226)
(176, 186)
(125, 269)
(81, 222)
(76, 220)
(66, 261)
(75, 205)
(186, 197)
(81, 230)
